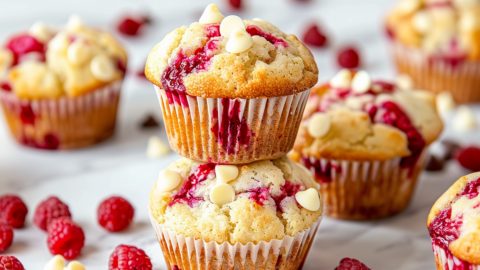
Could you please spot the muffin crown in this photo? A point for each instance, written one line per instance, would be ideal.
(231, 58)
(356, 118)
(259, 201)
(454, 221)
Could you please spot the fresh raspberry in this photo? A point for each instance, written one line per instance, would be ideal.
(65, 238)
(12, 211)
(313, 36)
(115, 214)
(235, 4)
(351, 264)
(348, 57)
(468, 157)
(6, 237)
(126, 257)
(10, 263)
(48, 210)
(23, 44)
(131, 26)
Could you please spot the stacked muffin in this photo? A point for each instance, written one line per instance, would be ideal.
(232, 93)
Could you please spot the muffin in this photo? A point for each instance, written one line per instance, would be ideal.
(454, 225)
(261, 215)
(365, 140)
(232, 91)
(437, 43)
(60, 88)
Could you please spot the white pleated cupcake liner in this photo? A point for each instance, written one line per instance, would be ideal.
(446, 261)
(75, 121)
(272, 125)
(187, 253)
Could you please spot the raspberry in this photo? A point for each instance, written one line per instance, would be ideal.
(348, 57)
(468, 158)
(23, 44)
(235, 4)
(351, 264)
(5, 86)
(126, 257)
(313, 36)
(10, 263)
(115, 214)
(6, 237)
(12, 211)
(65, 238)
(48, 210)
(131, 26)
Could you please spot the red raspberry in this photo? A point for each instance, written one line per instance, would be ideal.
(6, 237)
(348, 57)
(48, 210)
(10, 263)
(12, 211)
(131, 26)
(468, 157)
(5, 86)
(351, 264)
(23, 44)
(313, 36)
(235, 4)
(65, 238)
(115, 214)
(126, 257)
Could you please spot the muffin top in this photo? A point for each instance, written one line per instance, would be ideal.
(259, 201)
(229, 57)
(356, 118)
(45, 63)
(454, 221)
(447, 28)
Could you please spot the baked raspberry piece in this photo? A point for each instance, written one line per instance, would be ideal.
(48, 210)
(235, 4)
(65, 238)
(351, 264)
(468, 157)
(5, 86)
(6, 237)
(115, 214)
(12, 211)
(126, 257)
(313, 36)
(348, 57)
(132, 25)
(10, 263)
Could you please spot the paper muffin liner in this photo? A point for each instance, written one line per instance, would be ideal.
(445, 260)
(231, 131)
(64, 123)
(364, 190)
(462, 79)
(187, 253)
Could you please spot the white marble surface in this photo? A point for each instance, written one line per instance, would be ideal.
(82, 178)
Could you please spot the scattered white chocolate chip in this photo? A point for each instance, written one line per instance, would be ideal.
(75, 265)
(226, 173)
(6, 60)
(222, 193)
(157, 148)
(79, 53)
(319, 125)
(422, 22)
(239, 42)
(168, 180)
(211, 14)
(445, 103)
(103, 68)
(74, 22)
(361, 82)
(56, 263)
(404, 82)
(408, 6)
(41, 31)
(309, 199)
(464, 119)
(231, 24)
(59, 42)
(342, 79)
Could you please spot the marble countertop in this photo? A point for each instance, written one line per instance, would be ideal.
(82, 178)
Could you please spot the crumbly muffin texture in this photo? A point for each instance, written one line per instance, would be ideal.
(450, 28)
(356, 118)
(454, 221)
(231, 58)
(256, 202)
(48, 63)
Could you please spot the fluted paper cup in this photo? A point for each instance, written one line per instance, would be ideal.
(445, 260)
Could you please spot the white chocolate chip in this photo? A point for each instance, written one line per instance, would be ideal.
(231, 24)
(469, 22)
(464, 119)
(361, 82)
(226, 173)
(74, 22)
(319, 125)
(309, 199)
(222, 193)
(211, 14)
(103, 68)
(239, 42)
(6, 60)
(56, 263)
(408, 6)
(75, 265)
(157, 148)
(445, 103)
(342, 79)
(41, 31)
(59, 42)
(383, 98)
(79, 53)
(168, 180)
(422, 22)
(404, 82)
